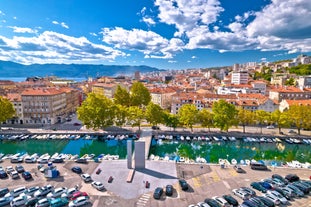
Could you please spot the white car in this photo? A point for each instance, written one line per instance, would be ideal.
(278, 195)
(86, 177)
(270, 127)
(19, 201)
(98, 185)
(202, 204)
(221, 201)
(57, 192)
(43, 203)
(80, 201)
(240, 193)
(14, 174)
(9, 169)
(69, 193)
(273, 198)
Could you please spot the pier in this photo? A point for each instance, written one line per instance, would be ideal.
(146, 136)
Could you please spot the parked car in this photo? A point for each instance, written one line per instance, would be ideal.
(273, 198)
(69, 193)
(169, 190)
(44, 202)
(43, 191)
(3, 191)
(240, 193)
(248, 190)
(31, 202)
(81, 201)
(57, 192)
(19, 168)
(238, 169)
(9, 169)
(86, 177)
(266, 201)
(16, 160)
(58, 202)
(266, 185)
(30, 191)
(292, 178)
(19, 201)
(57, 160)
(16, 192)
(183, 184)
(281, 198)
(3, 174)
(280, 178)
(81, 160)
(201, 204)
(258, 187)
(221, 201)
(302, 187)
(284, 194)
(231, 200)
(98, 185)
(5, 201)
(158, 193)
(257, 201)
(78, 194)
(298, 192)
(27, 175)
(30, 160)
(270, 127)
(14, 174)
(76, 169)
(211, 202)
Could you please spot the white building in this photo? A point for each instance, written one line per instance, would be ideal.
(240, 77)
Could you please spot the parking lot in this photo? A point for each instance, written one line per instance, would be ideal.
(205, 181)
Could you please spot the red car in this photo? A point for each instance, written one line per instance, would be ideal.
(78, 194)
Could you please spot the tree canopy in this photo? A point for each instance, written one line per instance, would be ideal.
(96, 111)
(140, 95)
(188, 115)
(154, 114)
(122, 96)
(206, 118)
(7, 110)
(224, 115)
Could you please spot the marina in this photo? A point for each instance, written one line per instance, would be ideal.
(178, 148)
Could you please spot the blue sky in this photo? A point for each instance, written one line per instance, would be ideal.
(167, 34)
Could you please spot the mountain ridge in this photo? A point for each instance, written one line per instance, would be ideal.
(13, 69)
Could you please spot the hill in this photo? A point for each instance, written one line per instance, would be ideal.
(12, 69)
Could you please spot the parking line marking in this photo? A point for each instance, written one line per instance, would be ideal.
(226, 184)
(196, 182)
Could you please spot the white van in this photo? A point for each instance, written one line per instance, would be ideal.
(16, 192)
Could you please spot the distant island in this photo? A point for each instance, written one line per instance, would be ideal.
(12, 69)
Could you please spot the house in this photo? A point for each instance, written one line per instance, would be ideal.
(285, 104)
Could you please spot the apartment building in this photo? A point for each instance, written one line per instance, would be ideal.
(106, 89)
(291, 93)
(286, 104)
(48, 105)
(162, 96)
(16, 100)
(240, 77)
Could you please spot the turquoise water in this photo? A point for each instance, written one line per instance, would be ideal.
(211, 151)
(239, 150)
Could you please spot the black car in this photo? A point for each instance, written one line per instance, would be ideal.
(58, 160)
(169, 190)
(211, 202)
(258, 187)
(284, 194)
(3, 191)
(3, 174)
(257, 201)
(266, 201)
(292, 178)
(27, 175)
(281, 178)
(157, 193)
(250, 203)
(301, 187)
(19, 168)
(76, 169)
(249, 191)
(183, 184)
(81, 160)
(31, 202)
(238, 169)
(232, 201)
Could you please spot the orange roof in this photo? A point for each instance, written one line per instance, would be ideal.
(306, 102)
(14, 97)
(289, 89)
(162, 90)
(42, 92)
(250, 96)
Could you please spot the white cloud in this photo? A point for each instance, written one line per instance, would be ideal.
(23, 29)
(62, 24)
(14, 17)
(285, 19)
(172, 61)
(185, 15)
(148, 20)
(93, 34)
(193, 57)
(150, 43)
(1, 13)
(52, 47)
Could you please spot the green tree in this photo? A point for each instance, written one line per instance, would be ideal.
(262, 117)
(122, 96)
(135, 116)
(224, 115)
(245, 117)
(140, 96)
(7, 110)
(154, 114)
(171, 120)
(298, 116)
(206, 119)
(290, 82)
(96, 111)
(188, 115)
(280, 119)
(121, 114)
